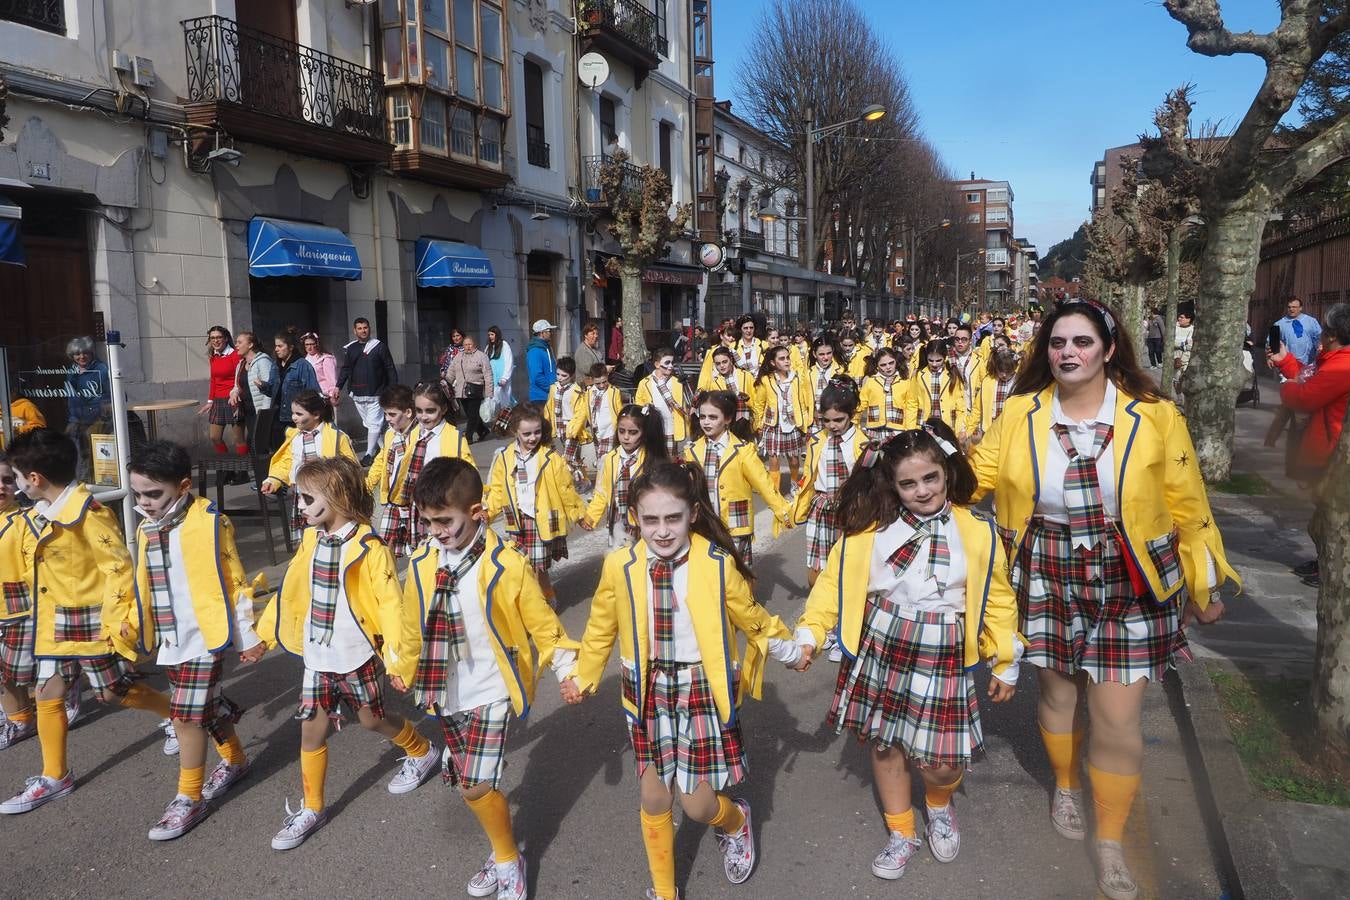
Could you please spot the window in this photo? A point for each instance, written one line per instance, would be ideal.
(900, 281)
(997, 195)
(717, 142)
(664, 147)
(997, 215)
(973, 197)
(433, 123)
(490, 139)
(740, 154)
(461, 132)
(401, 116)
(493, 58)
(46, 15)
(973, 217)
(609, 132)
(536, 137)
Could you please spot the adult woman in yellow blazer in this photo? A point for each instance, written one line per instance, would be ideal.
(1112, 550)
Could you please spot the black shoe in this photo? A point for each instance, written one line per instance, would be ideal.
(366, 461)
(1307, 568)
(1313, 581)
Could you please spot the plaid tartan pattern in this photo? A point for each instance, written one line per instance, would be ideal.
(773, 442)
(475, 745)
(158, 536)
(603, 445)
(330, 690)
(745, 548)
(15, 595)
(664, 605)
(1001, 391)
(522, 465)
(77, 624)
(196, 696)
(571, 450)
(1080, 611)
(398, 445)
(712, 462)
(16, 651)
(558, 406)
(834, 467)
(895, 416)
(934, 382)
(747, 357)
(933, 530)
(324, 583)
(909, 688)
(416, 461)
(503, 420)
(1082, 490)
(222, 413)
(725, 383)
(667, 396)
(618, 510)
(822, 382)
(444, 639)
(396, 528)
(541, 554)
(295, 520)
(110, 674)
(822, 529)
(783, 397)
(680, 733)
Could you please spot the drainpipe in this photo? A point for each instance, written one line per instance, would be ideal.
(368, 54)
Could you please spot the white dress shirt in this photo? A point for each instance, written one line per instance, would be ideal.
(525, 492)
(603, 421)
(782, 398)
(349, 648)
(723, 445)
(850, 457)
(433, 449)
(913, 589)
(298, 445)
(659, 404)
(1051, 505)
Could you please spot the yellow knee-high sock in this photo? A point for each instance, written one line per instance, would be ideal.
(901, 823)
(141, 697)
(190, 782)
(1065, 752)
(52, 728)
(1112, 797)
(313, 771)
(411, 742)
(495, 816)
(658, 834)
(23, 716)
(729, 817)
(232, 751)
(937, 796)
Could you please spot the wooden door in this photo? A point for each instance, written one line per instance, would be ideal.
(542, 300)
(269, 70)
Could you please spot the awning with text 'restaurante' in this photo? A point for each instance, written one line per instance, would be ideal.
(11, 242)
(452, 264)
(280, 247)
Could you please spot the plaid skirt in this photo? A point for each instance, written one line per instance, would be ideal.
(603, 445)
(541, 554)
(295, 520)
(399, 528)
(773, 442)
(16, 652)
(680, 732)
(330, 690)
(571, 451)
(196, 696)
(822, 529)
(222, 413)
(475, 744)
(909, 687)
(110, 674)
(1080, 611)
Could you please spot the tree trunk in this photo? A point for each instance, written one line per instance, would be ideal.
(1131, 309)
(1170, 309)
(1330, 530)
(634, 336)
(1214, 376)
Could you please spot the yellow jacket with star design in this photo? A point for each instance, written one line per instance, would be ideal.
(332, 442)
(647, 389)
(556, 501)
(740, 472)
(450, 443)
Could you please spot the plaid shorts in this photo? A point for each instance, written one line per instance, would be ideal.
(196, 696)
(295, 520)
(398, 527)
(16, 652)
(822, 530)
(110, 674)
(1080, 611)
(680, 732)
(222, 413)
(571, 451)
(773, 442)
(475, 744)
(908, 686)
(745, 547)
(330, 690)
(541, 554)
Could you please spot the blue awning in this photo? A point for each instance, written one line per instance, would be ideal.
(452, 264)
(11, 242)
(279, 247)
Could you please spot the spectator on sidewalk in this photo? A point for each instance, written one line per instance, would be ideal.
(469, 375)
(1154, 339)
(588, 352)
(324, 363)
(539, 362)
(367, 369)
(1181, 349)
(294, 376)
(614, 351)
(1300, 333)
(503, 366)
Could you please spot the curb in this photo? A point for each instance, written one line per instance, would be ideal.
(1243, 831)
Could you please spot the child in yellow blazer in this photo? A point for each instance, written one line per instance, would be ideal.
(824, 366)
(725, 376)
(642, 441)
(566, 411)
(432, 437)
(997, 385)
(339, 609)
(830, 457)
(854, 356)
(396, 519)
(81, 587)
(666, 394)
(937, 391)
(783, 412)
(313, 437)
(600, 422)
(678, 602)
(193, 604)
(476, 630)
(530, 484)
(727, 338)
(916, 594)
(884, 395)
(732, 470)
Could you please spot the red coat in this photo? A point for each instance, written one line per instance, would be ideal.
(223, 368)
(1325, 395)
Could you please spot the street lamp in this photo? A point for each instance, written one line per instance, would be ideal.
(870, 113)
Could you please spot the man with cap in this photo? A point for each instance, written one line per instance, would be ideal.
(539, 362)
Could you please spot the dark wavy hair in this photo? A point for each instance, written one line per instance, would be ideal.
(726, 403)
(869, 499)
(901, 365)
(841, 393)
(941, 346)
(685, 482)
(1122, 368)
(766, 364)
(653, 429)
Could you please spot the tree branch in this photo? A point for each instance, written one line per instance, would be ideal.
(1303, 164)
(1210, 37)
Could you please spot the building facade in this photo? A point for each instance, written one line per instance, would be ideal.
(990, 203)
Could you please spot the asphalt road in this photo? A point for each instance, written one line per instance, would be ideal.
(573, 793)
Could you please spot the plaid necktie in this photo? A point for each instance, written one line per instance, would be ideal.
(934, 530)
(785, 414)
(522, 465)
(666, 396)
(894, 416)
(445, 639)
(934, 394)
(712, 458)
(822, 379)
(664, 605)
(748, 356)
(1082, 490)
(558, 404)
(157, 539)
(836, 469)
(325, 581)
(621, 483)
(1001, 391)
(397, 446)
(309, 445)
(597, 398)
(419, 455)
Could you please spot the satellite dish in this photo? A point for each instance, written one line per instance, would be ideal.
(593, 70)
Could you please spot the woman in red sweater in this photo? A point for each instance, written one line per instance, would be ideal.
(220, 412)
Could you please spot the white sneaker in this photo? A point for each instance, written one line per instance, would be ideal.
(12, 732)
(653, 895)
(1066, 813)
(890, 862)
(833, 653)
(222, 777)
(738, 850)
(297, 827)
(179, 818)
(170, 738)
(944, 836)
(484, 883)
(36, 791)
(413, 771)
(511, 879)
(1113, 876)
(73, 702)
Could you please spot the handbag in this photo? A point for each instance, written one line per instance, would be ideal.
(473, 391)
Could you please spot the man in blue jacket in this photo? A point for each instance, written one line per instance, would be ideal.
(539, 362)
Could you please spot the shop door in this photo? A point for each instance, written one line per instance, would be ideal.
(541, 298)
(439, 310)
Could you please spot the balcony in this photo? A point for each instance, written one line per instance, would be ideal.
(47, 15)
(257, 87)
(595, 194)
(536, 148)
(624, 29)
(749, 240)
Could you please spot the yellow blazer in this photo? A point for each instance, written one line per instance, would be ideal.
(332, 442)
(556, 502)
(680, 416)
(1163, 505)
(838, 602)
(812, 375)
(606, 482)
(720, 603)
(381, 486)
(984, 403)
(215, 576)
(762, 347)
(707, 368)
(574, 399)
(918, 405)
(740, 382)
(740, 473)
(450, 443)
(17, 601)
(872, 402)
(801, 357)
(373, 593)
(81, 580)
(582, 428)
(806, 485)
(764, 405)
(523, 630)
(856, 367)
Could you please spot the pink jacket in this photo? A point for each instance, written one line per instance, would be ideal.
(325, 367)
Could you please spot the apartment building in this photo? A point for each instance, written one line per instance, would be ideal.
(990, 203)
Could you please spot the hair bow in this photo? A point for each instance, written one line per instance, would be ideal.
(943, 444)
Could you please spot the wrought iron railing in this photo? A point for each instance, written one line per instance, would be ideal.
(595, 192)
(49, 15)
(536, 148)
(628, 18)
(752, 240)
(227, 63)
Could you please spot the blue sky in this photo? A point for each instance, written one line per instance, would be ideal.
(1032, 93)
